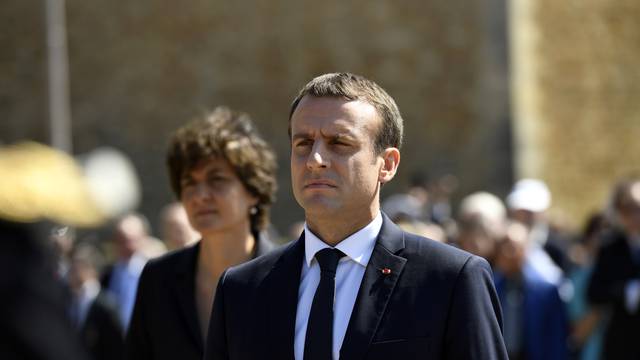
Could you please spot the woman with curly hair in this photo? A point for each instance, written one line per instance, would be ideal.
(223, 173)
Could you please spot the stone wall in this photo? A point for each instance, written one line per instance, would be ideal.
(140, 69)
(576, 96)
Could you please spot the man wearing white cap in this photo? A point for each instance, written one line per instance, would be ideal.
(527, 203)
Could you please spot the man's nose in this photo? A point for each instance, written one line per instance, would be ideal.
(318, 158)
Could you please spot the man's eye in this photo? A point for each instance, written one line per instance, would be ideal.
(340, 143)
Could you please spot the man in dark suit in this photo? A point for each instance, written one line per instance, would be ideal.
(93, 312)
(535, 319)
(353, 286)
(615, 282)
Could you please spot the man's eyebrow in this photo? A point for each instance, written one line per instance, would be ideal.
(341, 136)
(302, 135)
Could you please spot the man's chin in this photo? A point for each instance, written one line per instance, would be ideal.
(322, 208)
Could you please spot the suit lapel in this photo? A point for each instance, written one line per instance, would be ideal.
(281, 290)
(184, 289)
(380, 278)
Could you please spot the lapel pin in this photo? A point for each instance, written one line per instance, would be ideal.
(385, 271)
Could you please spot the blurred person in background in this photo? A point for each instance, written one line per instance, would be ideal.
(615, 282)
(63, 239)
(93, 312)
(177, 233)
(441, 191)
(407, 211)
(587, 322)
(528, 203)
(535, 320)
(481, 223)
(223, 173)
(121, 278)
(43, 190)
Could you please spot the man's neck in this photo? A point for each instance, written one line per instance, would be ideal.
(332, 230)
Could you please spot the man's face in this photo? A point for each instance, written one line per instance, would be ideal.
(512, 250)
(335, 172)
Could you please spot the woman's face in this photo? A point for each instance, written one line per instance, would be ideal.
(215, 199)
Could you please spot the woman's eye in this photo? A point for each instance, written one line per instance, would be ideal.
(216, 179)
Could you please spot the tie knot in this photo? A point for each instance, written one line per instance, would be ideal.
(328, 259)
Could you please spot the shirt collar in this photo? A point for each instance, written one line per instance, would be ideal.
(358, 246)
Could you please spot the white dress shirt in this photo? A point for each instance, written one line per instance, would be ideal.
(357, 248)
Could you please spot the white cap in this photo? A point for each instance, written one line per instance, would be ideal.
(529, 194)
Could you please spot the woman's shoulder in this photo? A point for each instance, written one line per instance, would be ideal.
(176, 261)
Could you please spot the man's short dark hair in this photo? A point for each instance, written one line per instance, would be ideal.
(355, 87)
(232, 136)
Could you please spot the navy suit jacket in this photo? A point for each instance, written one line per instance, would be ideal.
(544, 317)
(437, 302)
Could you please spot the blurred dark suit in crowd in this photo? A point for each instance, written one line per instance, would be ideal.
(33, 321)
(616, 277)
(93, 312)
(535, 319)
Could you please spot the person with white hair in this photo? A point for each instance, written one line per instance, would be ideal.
(481, 222)
(528, 202)
(177, 233)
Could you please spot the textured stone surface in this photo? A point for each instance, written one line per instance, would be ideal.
(584, 87)
(139, 69)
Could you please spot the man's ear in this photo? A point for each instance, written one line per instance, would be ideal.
(391, 158)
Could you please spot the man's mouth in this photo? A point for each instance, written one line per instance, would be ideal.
(319, 184)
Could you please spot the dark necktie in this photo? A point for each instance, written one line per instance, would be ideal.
(318, 344)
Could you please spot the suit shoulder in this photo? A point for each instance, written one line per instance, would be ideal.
(181, 260)
(434, 256)
(437, 252)
(255, 269)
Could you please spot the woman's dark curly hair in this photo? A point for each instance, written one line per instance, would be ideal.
(232, 136)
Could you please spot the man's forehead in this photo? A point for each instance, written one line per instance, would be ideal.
(333, 115)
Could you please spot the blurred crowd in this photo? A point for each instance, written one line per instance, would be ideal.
(564, 294)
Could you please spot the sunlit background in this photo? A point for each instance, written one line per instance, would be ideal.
(491, 91)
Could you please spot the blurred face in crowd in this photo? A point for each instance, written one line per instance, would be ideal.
(525, 217)
(477, 242)
(334, 168)
(215, 199)
(130, 235)
(629, 209)
(176, 229)
(512, 250)
(79, 273)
